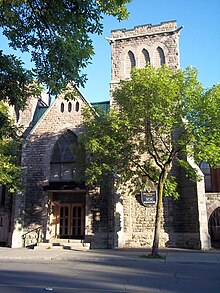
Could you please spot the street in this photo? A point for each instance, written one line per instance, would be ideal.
(90, 272)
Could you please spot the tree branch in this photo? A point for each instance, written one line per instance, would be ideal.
(143, 170)
(150, 142)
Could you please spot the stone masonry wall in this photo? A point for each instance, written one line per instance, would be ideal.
(148, 37)
(100, 217)
(36, 154)
(139, 221)
(185, 217)
(212, 202)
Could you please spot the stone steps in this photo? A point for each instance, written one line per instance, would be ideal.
(69, 244)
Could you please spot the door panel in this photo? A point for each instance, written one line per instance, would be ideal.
(77, 221)
(72, 221)
(64, 221)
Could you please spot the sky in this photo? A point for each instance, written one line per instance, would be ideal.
(199, 40)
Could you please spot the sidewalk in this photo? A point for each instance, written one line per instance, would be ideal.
(172, 255)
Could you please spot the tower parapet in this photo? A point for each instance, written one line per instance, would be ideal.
(145, 44)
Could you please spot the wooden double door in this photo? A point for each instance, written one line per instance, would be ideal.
(72, 221)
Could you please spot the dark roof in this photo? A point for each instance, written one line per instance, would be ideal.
(39, 111)
(102, 105)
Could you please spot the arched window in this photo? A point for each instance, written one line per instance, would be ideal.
(77, 106)
(62, 107)
(129, 63)
(214, 227)
(144, 58)
(206, 170)
(69, 107)
(62, 158)
(159, 57)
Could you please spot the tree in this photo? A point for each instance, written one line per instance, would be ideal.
(10, 174)
(57, 33)
(161, 116)
(16, 85)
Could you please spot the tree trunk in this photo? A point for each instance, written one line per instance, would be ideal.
(161, 183)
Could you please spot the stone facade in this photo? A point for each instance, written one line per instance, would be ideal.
(184, 221)
(212, 202)
(54, 204)
(35, 161)
(213, 215)
(153, 44)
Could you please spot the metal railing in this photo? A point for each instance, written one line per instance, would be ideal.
(32, 237)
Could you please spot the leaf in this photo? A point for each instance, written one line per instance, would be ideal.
(57, 35)
(161, 116)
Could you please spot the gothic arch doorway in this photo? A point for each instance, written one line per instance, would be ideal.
(214, 228)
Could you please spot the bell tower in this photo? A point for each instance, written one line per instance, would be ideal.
(153, 44)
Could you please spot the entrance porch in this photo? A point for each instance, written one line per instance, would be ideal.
(66, 212)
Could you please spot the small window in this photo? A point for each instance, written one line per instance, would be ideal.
(144, 58)
(129, 63)
(77, 106)
(62, 107)
(131, 59)
(159, 57)
(69, 107)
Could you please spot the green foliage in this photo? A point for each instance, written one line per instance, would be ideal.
(105, 139)
(116, 8)
(16, 83)
(16, 86)
(160, 113)
(170, 188)
(205, 119)
(57, 34)
(162, 116)
(191, 173)
(10, 173)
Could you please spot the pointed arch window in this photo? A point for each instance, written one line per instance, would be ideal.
(159, 57)
(62, 159)
(144, 58)
(69, 107)
(77, 106)
(62, 107)
(214, 227)
(129, 63)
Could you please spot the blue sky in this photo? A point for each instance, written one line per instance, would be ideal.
(199, 40)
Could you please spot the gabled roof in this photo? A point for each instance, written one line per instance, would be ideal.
(42, 107)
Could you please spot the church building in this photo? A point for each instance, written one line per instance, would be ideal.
(55, 208)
